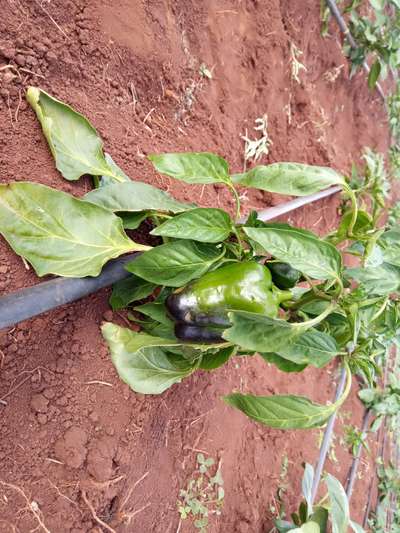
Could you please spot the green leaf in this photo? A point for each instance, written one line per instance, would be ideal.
(73, 141)
(308, 527)
(156, 311)
(311, 348)
(192, 167)
(377, 4)
(368, 395)
(363, 223)
(374, 74)
(283, 526)
(295, 179)
(281, 363)
(202, 224)
(118, 173)
(282, 412)
(143, 361)
(132, 220)
(130, 290)
(320, 516)
(135, 196)
(340, 515)
(58, 233)
(380, 280)
(312, 256)
(253, 331)
(175, 264)
(306, 486)
(284, 226)
(216, 358)
(390, 245)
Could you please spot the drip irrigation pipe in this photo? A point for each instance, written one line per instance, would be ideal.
(380, 440)
(326, 441)
(346, 32)
(357, 457)
(32, 301)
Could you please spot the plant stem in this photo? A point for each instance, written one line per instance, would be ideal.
(237, 234)
(353, 221)
(316, 291)
(314, 321)
(237, 200)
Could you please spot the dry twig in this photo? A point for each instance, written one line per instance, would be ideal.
(95, 517)
(32, 506)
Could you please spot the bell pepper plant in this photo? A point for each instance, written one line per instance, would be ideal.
(216, 287)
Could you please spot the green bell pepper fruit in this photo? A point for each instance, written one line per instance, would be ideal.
(283, 275)
(205, 303)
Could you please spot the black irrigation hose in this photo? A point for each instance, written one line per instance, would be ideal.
(33, 301)
(346, 32)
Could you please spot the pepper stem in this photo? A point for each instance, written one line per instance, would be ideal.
(237, 200)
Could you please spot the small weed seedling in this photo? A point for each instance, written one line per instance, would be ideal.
(204, 495)
(333, 508)
(386, 518)
(353, 438)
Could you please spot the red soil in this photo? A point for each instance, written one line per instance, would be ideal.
(132, 67)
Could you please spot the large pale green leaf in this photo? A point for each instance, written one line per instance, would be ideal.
(175, 264)
(296, 179)
(379, 280)
(202, 224)
(340, 514)
(132, 196)
(192, 167)
(312, 256)
(129, 290)
(75, 144)
(143, 361)
(282, 412)
(58, 233)
(260, 333)
(312, 347)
